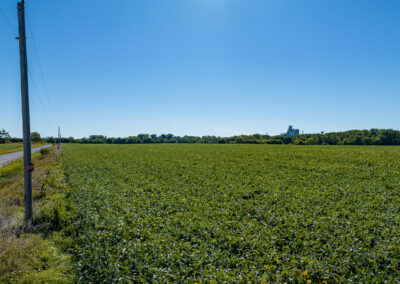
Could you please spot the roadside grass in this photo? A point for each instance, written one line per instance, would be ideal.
(33, 255)
(15, 147)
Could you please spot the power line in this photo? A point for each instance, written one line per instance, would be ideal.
(40, 99)
(40, 66)
(9, 23)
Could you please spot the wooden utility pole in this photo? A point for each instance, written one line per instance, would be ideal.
(59, 138)
(25, 115)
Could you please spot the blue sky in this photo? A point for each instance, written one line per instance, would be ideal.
(198, 67)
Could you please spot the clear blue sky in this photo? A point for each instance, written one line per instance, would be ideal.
(197, 67)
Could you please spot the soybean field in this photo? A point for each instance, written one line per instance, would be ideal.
(233, 213)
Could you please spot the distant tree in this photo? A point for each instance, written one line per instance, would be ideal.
(389, 137)
(368, 141)
(374, 132)
(274, 141)
(4, 136)
(222, 140)
(130, 140)
(287, 139)
(35, 137)
(50, 140)
(245, 139)
(351, 137)
(310, 141)
(299, 142)
(15, 140)
(120, 140)
(143, 138)
(110, 140)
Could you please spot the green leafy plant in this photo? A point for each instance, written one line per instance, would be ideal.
(234, 213)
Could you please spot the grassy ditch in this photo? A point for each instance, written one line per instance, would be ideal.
(34, 255)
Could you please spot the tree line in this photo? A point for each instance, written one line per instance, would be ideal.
(6, 138)
(352, 137)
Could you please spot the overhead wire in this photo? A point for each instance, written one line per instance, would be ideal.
(39, 97)
(40, 66)
(29, 72)
(14, 31)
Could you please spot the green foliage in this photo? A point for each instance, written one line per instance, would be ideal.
(234, 213)
(274, 141)
(287, 139)
(4, 136)
(299, 142)
(35, 137)
(351, 137)
(53, 212)
(33, 259)
(250, 139)
(44, 152)
(34, 255)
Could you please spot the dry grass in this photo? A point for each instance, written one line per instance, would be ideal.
(31, 256)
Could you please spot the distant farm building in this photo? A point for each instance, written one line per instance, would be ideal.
(291, 132)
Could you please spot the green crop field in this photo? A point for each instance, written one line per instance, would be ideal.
(199, 213)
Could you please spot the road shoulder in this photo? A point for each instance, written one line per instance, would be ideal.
(33, 255)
